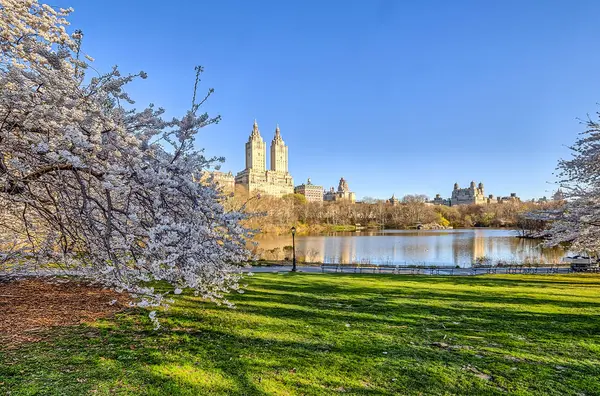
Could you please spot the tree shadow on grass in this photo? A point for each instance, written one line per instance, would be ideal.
(290, 336)
(499, 280)
(484, 311)
(363, 295)
(485, 318)
(124, 361)
(243, 362)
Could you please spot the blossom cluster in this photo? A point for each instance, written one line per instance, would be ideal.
(97, 187)
(577, 223)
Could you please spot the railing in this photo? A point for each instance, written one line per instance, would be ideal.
(445, 270)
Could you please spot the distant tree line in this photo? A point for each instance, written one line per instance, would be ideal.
(277, 215)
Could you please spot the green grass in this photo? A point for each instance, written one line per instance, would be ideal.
(341, 228)
(312, 334)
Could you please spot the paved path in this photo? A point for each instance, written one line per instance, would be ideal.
(413, 271)
(349, 269)
(283, 268)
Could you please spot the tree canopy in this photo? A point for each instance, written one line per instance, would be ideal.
(577, 222)
(95, 186)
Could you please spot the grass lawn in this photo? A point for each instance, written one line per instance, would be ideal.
(314, 334)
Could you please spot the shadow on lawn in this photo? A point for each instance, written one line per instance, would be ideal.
(290, 333)
(119, 368)
(502, 317)
(478, 313)
(501, 280)
(420, 288)
(121, 359)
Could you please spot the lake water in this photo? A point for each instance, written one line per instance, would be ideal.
(436, 247)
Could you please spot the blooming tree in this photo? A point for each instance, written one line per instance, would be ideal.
(97, 187)
(577, 222)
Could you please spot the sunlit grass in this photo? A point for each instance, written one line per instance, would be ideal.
(336, 334)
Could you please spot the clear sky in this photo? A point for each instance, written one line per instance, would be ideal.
(395, 96)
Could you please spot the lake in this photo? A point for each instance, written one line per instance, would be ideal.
(432, 247)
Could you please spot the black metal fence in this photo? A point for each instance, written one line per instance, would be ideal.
(447, 270)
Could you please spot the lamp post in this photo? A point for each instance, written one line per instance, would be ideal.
(293, 249)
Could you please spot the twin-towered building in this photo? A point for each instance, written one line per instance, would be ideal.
(275, 181)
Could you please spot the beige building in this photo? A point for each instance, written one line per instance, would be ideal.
(474, 195)
(438, 200)
(276, 181)
(393, 200)
(223, 180)
(343, 193)
(512, 198)
(312, 192)
(468, 196)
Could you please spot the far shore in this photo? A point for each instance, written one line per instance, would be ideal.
(303, 230)
(288, 263)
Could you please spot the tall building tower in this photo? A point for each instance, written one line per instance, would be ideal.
(256, 178)
(279, 153)
(256, 151)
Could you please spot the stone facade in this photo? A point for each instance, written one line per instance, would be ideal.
(225, 181)
(393, 200)
(438, 200)
(256, 178)
(512, 198)
(343, 193)
(473, 195)
(279, 153)
(312, 192)
(468, 196)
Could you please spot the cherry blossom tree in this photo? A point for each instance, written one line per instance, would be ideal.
(577, 222)
(97, 187)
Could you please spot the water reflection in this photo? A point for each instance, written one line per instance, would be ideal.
(440, 247)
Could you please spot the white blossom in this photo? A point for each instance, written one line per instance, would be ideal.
(577, 223)
(102, 190)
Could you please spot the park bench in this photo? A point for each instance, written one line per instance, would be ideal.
(514, 269)
(434, 271)
(326, 267)
(404, 269)
(440, 270)
(386, 268)
(483, 269)
(530, 269)
(557, 269)
(585, 267)
(366, 268)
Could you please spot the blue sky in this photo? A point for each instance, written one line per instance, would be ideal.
(396, 96)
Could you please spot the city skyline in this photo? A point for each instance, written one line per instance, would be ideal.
(396, 98)
(279, 162)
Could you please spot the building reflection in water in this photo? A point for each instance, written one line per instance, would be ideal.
(444, 247)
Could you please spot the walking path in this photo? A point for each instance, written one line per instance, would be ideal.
(334, 268)
(352, 269)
